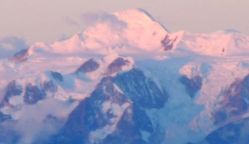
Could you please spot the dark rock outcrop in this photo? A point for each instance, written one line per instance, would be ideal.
(12, 89)
(192, 85)
(89, 66)
(116, 65)
(57, 76)
(232, 133)
(168, 43)
(21, 56)
(49, 86)
(140, 89)
(4, 117)
(130, 92)
(235, 101)
(33, 94)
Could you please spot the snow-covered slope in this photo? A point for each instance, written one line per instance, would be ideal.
(221, 43)
(126, 79)
(131, 29)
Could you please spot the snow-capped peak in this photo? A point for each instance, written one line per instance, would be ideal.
(142, 30)
(127, 31)
(132, 29)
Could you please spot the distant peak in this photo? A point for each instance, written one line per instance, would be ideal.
(231, 31)
(137, 14)
(146, 13)
(151, 17)
(127, 31)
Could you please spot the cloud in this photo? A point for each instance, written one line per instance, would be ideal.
(102, 17)
(10, 45)
(34, 127)
(89, 19)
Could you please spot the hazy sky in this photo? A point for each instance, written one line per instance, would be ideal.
(49, 20)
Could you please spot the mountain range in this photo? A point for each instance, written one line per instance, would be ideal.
(126, 79)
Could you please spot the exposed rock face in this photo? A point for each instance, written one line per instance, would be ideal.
(8, 136)
(4, 117)
(12, 89)
(49, 86)
(21, 56)
(57, 76)
(116, 65)
(110, 115)
(192, 85)
(168, 43)
(89, 66)
(33, 94)
(232, 133)
(235, 101)
(141, 89)
(233, 129)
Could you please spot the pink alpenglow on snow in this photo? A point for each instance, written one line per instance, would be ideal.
(125, 79)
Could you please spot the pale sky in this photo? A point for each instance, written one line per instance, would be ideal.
(50, 20)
